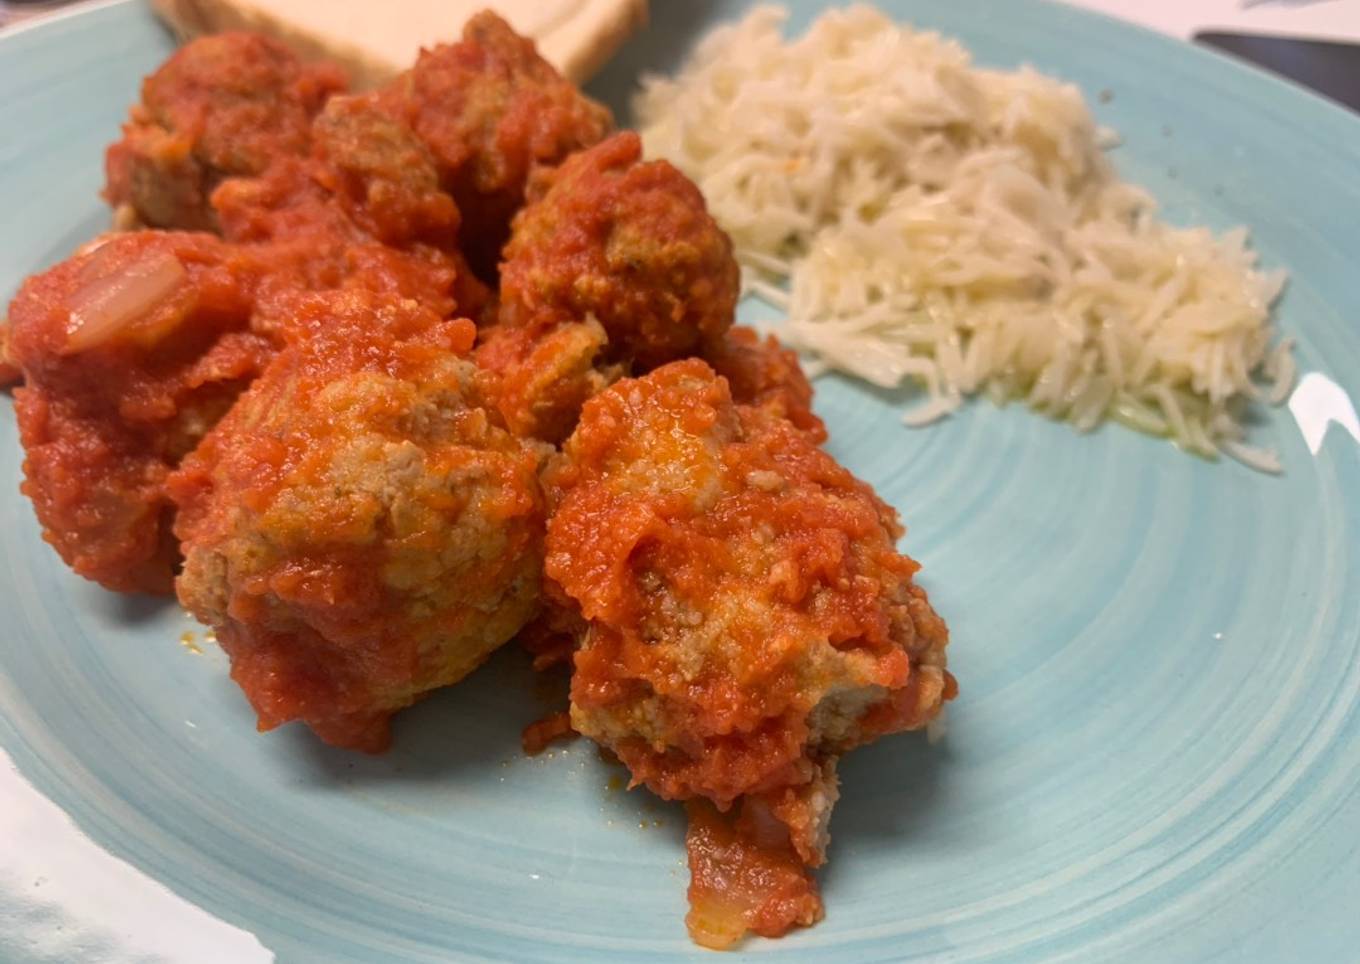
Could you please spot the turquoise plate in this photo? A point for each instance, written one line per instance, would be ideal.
(1155, 756)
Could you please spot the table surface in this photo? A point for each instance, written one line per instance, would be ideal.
(1315, 19)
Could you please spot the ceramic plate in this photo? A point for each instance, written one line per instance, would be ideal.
(1155, 755)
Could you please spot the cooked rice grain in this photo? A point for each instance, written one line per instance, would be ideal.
(962, 228)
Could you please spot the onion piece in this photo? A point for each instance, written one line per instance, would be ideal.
(107, 306)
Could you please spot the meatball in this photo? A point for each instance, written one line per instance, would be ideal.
(368, 195)
(129, 352)
(538, 380)
(383, 173)
(615, 265)
(388, 183)
(766, 374)
(312, 243)
(705, 680)
(221, 106)
(358, 529)
(490, 108)
(746, 615)
(628, 243)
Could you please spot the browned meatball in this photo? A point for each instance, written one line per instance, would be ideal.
(222, 105)
(539, 379)
(490, 108)
(747, 611)
(766, 374)
(628, 243)
(357, 529)
(384, 175)
(130, 351)
(745, 617)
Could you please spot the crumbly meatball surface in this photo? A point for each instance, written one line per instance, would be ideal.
(612, 266)
(129, 353)
(358, 529)
(383, 173)
(628, 243)
(490, 108)
(763, 373)
(743, 618)
(132, 349)
(221, 106)
(748, 613)
(539, 379)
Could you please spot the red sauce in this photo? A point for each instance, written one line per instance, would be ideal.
(766, 374)
(540, 733)
(743, 880)
(732, 575)
(356, 527)
(223, 106)
(101, 428)
(538, 378)
(488, 108)
(627, 243)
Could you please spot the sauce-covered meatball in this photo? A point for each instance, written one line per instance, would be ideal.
(129, 352)
(358, 529)
(764, 373)
(384, 175)
(490, 108)
(538, 379)
(628, 243)
(747, 617)
(132, 350)
(222, 106)
(614, 266)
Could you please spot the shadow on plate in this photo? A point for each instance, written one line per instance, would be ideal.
(474, 725)
(661, 47)
(123, 610)
(891, 791)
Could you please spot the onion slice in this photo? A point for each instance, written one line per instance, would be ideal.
(108, 306)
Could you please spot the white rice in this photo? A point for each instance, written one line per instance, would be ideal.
(922, 219)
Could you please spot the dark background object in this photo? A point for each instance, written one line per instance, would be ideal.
(1332, 69)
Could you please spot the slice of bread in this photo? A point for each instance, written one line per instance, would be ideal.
(376, 39)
